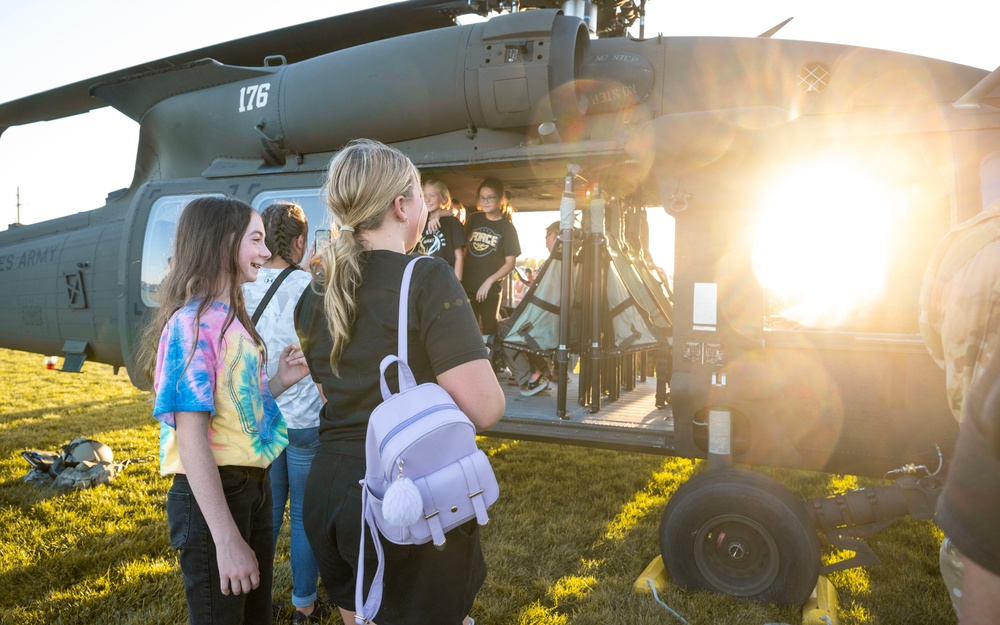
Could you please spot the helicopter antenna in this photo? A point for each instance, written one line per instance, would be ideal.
(767, 33)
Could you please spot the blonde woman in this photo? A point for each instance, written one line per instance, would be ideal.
(348, 323)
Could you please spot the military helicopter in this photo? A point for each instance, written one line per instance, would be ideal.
(573, 115)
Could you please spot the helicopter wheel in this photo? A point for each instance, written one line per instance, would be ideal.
(742, 534)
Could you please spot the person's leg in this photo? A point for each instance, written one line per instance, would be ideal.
(259, 534)
(490, 309)
(980, 594)
(334, 493)
(250, 506)
(952, 570)
(279, 492)
(425, 585)
(520, 367)
(302, 447)
(477, 309)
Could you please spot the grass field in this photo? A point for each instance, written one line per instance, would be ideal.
(573, 529)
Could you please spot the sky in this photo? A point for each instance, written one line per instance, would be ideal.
(68, 166)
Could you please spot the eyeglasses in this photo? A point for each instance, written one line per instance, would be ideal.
(487, 199)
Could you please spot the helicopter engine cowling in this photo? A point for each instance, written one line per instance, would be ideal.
(504, 73)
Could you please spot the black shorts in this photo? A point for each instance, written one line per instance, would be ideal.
(421, 583)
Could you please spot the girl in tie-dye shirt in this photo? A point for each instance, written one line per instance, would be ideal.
(220, 427)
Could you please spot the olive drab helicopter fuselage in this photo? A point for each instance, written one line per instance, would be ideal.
(703, 364)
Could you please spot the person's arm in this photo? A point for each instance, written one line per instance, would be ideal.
(475, 389)
(238, 567)
(980, 594)
(496, 276)
(459, 262)
(292, 367)
(433, 222)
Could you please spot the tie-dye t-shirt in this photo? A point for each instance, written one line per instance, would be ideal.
(227, 380)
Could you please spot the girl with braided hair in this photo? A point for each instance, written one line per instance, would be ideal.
(287, 233)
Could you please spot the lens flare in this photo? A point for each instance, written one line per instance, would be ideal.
(821, 246)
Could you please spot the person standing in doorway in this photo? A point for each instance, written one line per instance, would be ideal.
(493, 248)
(444, 235)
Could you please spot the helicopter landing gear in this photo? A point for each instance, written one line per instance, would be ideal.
(742, 534)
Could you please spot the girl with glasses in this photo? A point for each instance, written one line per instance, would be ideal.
(492, 248)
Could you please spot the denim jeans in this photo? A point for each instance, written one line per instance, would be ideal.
(288, 483)
(248, 495)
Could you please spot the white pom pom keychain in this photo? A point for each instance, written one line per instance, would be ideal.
(402, 504)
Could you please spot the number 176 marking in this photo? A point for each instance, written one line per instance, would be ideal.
(254, 96)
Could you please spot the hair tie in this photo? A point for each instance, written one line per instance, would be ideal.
(346, 229)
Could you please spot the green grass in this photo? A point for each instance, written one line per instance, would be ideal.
(573, 529)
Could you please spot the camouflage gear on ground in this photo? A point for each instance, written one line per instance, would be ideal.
(960, 302)
(80, 476)
(81, 464)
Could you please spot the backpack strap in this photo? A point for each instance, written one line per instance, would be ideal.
(406, 379)
(270, 293)
(365, 610)
(404, 299)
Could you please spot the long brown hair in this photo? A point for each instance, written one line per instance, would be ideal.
(205, 253)
(362, 182)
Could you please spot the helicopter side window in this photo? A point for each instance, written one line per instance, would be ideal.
(989, 177)
(309, 200)
(159, 242)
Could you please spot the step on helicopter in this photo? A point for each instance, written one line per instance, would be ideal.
(738, 140)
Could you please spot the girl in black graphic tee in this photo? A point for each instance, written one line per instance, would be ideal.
(491, 251)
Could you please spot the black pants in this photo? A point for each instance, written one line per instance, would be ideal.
(421, 584)
(248, 494)
(486, 311)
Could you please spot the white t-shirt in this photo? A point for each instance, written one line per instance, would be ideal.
(301, 403)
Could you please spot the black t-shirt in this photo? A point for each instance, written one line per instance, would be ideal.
(443, 243)
(442, 334)
(488, 243)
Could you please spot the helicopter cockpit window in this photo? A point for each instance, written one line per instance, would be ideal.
(311, 204)
(159, 242)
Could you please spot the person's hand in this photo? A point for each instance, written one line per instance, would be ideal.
(484, 290)
(239, 572)
(292, 365)
(434, 222)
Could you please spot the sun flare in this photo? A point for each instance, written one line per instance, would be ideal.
(821, 244)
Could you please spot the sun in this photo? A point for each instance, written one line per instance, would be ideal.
(821, 246)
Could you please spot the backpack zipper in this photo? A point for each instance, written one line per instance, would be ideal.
(419, 415)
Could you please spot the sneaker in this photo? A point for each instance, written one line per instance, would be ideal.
(530, 388)
(321, 610)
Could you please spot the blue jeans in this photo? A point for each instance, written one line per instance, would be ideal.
(288, 483)
(248, 495)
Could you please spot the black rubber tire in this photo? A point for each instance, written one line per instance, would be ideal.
(739, 533)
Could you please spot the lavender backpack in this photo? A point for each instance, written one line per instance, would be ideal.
(424, 475)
